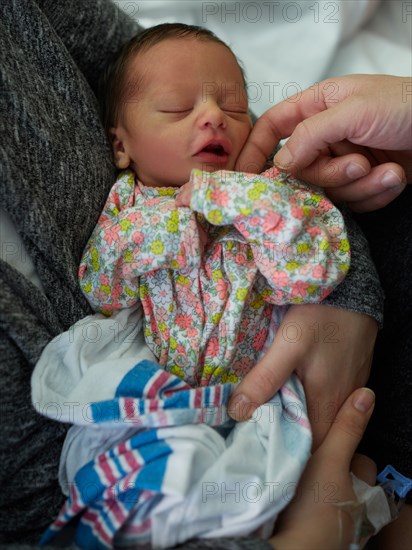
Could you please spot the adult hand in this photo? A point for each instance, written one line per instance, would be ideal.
(352, 135)
(330, 349)
(312, 519)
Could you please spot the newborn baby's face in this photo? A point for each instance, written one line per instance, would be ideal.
(191, 111)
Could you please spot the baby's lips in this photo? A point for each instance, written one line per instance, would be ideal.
(214, 144)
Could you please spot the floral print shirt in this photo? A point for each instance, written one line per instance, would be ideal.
(271, 240)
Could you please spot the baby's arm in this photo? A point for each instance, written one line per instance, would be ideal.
(296, 234)
(135, 236)
(360, 290)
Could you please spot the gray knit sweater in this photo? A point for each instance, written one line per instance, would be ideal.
(55, 174)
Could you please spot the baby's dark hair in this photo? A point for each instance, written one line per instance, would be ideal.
(112, 86)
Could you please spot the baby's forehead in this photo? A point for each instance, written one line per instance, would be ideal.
(162, 51)
(184, 57)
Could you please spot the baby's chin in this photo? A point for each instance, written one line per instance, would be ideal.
(216, 167)
(184, 177)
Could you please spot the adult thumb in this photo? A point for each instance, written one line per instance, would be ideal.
(349, 426)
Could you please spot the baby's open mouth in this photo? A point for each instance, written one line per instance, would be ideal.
(215, 149)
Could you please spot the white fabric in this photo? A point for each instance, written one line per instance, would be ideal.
(217, 482)
(86, 364)
(210, 477)
(211, 492)
(287, 46)
(376, 502)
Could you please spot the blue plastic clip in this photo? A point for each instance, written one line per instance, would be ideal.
(389, 477)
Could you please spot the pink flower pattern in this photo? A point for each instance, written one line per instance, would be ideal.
(207, 313)
(220, 197)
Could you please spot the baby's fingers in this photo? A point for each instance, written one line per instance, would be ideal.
(185, 194)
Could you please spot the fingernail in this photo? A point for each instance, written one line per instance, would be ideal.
(363, 400)
(241, 407)
(355, 171)
(391, 179)
(283, 159)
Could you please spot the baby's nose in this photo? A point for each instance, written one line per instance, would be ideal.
(212, 116)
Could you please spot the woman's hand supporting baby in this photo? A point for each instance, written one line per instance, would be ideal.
(330, 349)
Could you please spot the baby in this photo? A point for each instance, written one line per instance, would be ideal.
(208, 276)
(213, 269)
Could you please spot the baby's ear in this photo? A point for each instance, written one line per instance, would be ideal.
(121, 158)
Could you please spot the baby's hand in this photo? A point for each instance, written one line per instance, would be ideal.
(185, 194)
(183, 199)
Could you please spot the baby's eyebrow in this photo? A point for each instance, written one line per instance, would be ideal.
(132, 87)
(224, 90)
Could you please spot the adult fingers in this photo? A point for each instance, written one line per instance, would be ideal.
(314, 134)
(264, 137)
(382, 185)
(338, 164)
(264, 380)
(349, 426)
(374, 203)
(277, 123)
(330, 172)
(364, 468)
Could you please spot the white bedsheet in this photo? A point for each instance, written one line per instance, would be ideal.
(287, 46)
